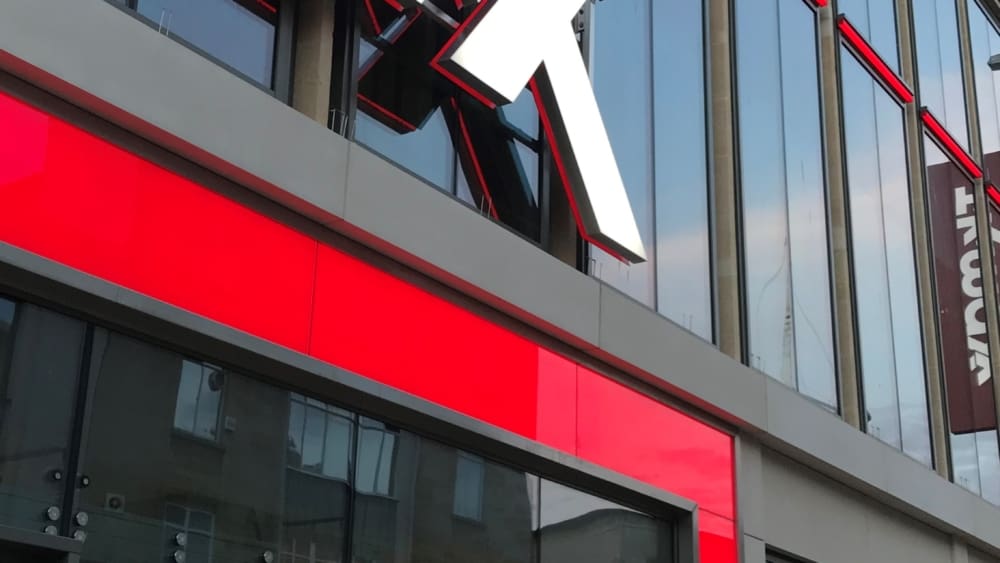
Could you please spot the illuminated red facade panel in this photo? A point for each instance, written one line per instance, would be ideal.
(86, 203)
(950, 145)
(860, 47)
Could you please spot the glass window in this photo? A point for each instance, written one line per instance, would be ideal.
(189, 532)
(376, 450)
(789, 309)
(876, 21)
(986, 43)
(415, 117)
(578, 527)
(468, 486)
(887, 316)
(649, 79)
(262, 489)
(239, 33)
(199, 396)
(939, 64)
(40, 354)
(234, 498)
(422, 520)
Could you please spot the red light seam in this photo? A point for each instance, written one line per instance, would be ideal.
(436, 61)
(371, 14)
(563, 176)
(267, 6)
(893, 83)
(396, 5)
(475, 160)
(994, 194)
(367, 101)
(955, 151)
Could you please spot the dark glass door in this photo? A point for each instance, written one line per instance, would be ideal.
(40, 359)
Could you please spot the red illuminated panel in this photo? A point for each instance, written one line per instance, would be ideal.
(818, 3)
(993, 194)
(950, 145)
(716, 539)
(85, 203)
(868, 56)
(371, 323)
(641, 437)
(81, 201)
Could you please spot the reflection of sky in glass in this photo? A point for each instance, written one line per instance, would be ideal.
(621, 73)
(888, 322)
(683, 256)
(426, 152)
(876, 20)
(789, 314)
(649, 84)
(940, 65)
(222, 28)
(985, 43)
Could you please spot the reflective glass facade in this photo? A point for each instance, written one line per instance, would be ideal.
(648, 70)
(323, 484)
(876, 21)
(939, 64)
(888, 318)
(789, 312)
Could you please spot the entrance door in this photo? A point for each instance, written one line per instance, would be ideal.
(41, 355)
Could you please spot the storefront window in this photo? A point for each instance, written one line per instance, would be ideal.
(939, 64)
(40, 354)
(986, 43)
(285, 478)
(789, 310)
(648, 72)
(885, 288)
(239, 33)
(412, 115)
(876, 21)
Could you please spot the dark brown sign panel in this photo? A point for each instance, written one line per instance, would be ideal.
(961, 310)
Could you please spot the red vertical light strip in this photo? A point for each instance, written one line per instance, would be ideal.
(950, 145)
(894, 84)
(475, 160)
(994, 194)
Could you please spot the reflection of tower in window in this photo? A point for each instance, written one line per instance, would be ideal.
(199, 400)
(469, 473)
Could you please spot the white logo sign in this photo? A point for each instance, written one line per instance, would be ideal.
(498, 52)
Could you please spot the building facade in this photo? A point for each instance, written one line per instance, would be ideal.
(277, 285)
